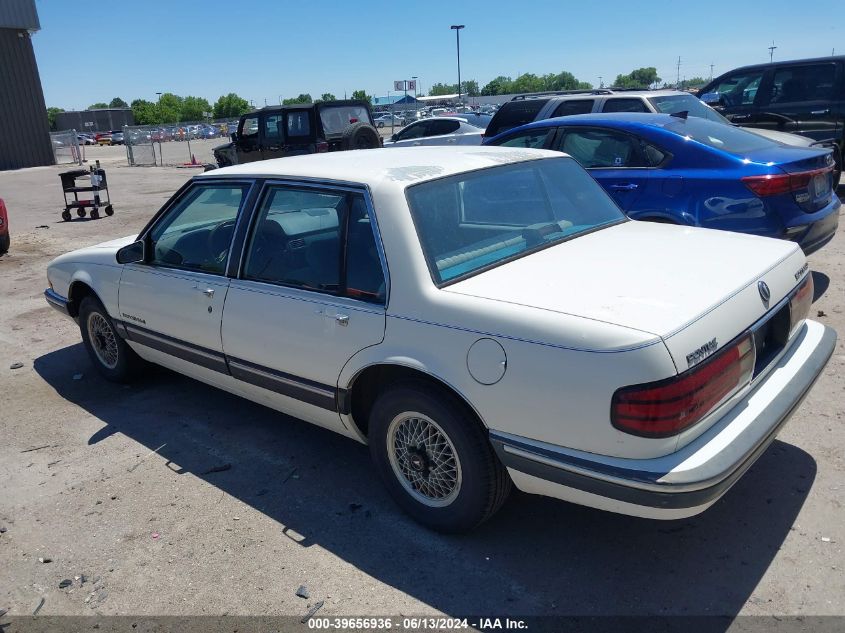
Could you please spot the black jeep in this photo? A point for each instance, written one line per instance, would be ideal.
(304, 128)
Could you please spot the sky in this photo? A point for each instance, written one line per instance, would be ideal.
(275, 49)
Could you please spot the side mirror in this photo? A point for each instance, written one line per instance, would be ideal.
(234, 136)
(711, 98)
(131, 253)
(394, 138)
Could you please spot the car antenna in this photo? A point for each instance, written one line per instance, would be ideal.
(683, 114)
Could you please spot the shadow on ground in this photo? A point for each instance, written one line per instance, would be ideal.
(537, 556)
(821, 283)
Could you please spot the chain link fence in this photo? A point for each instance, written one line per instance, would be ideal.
(66, 148)
(190, 143)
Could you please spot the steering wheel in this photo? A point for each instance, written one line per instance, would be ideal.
(219, 239)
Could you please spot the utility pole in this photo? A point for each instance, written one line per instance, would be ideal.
(678, 80)
(457, 28)
(601, 83)
(711, 72)
(772, 51)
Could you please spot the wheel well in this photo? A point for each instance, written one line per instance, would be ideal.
(76, 293)
(375, 379)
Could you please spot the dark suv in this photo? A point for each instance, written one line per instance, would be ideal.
(805, 96)
(304, 128)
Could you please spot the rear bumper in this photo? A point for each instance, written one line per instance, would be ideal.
(692, 479)
(811, 237)
(57, 301)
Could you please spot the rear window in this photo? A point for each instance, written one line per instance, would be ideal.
(481, 219)
(727, 138)
(513, 114)
(670, 104)
(336, 119)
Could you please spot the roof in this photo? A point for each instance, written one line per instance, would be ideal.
(397, 98)
(811, 60)
(440, 97)
(399, 166)
(623, 119)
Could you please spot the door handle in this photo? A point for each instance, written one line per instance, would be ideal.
(342, 319)
(820, 111)
(208, 292)
(740, 117)
(629, 187)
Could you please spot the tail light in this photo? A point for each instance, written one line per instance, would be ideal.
(322, 146)
(800, 302)
(667, 407)
(776, 184)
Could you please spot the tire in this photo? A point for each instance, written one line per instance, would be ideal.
(81, 212)
(66, 215)
(471, 490)
(5, 242)
(95, 214)
(109, 210)
(112, 357)
(360, 136)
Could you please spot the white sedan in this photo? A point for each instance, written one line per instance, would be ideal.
(482, 317)
(441, 130)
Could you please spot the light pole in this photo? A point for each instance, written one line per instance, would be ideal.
(457, 28)
(601, 83)
(416, 92)
(772, 51)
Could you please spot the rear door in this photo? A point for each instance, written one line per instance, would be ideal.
(299, 132)
(442, 132)
(801, 98)
(311, 293)
(615, 159)
(272, 135)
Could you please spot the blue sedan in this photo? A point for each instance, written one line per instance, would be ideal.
(670, 168)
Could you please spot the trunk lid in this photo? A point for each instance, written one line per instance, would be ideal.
(810, 171)
(686, 285)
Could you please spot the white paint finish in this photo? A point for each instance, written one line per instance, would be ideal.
(465, 134)
(174, 303)
(297, 331)
(654, 278)
(486, 361)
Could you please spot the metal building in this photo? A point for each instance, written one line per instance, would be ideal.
(99, 120)
(24, 130)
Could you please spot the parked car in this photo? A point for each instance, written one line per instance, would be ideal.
(805, 96)
(481, 316)
(304, 128)
(524, 109)
(4, 228)
(389, 120)
(117, 137)
(437, 131)
(85, 139)
(103, 139)
(695, 172)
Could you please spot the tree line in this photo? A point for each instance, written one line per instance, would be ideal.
(172, 108)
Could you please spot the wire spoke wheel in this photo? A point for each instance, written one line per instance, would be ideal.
(103, 339)
(424, 459)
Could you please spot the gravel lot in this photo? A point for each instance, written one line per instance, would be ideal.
(116, 486)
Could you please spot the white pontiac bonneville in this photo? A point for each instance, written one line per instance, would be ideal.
(481, 317)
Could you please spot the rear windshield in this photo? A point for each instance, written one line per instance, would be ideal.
(478, 220)
(670, 104)
(513, 114)
(337, 118)
(476, 120)
(727, 138)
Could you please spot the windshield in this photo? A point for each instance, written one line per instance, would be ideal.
(481, 219)
(727, 138)
(670, 104)
(337, 118)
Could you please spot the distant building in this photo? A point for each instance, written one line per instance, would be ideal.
(99, 120)
(24, 130)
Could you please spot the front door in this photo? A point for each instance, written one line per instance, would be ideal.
(310, 295)
(615, 159)
(247, 145)
(171, 305)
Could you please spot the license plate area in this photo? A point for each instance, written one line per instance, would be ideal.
(770, 337)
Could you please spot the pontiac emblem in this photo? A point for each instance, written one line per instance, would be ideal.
(765, 293)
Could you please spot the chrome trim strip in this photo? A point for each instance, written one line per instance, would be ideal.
(57, 301)
(311, 392)
(180, 349)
